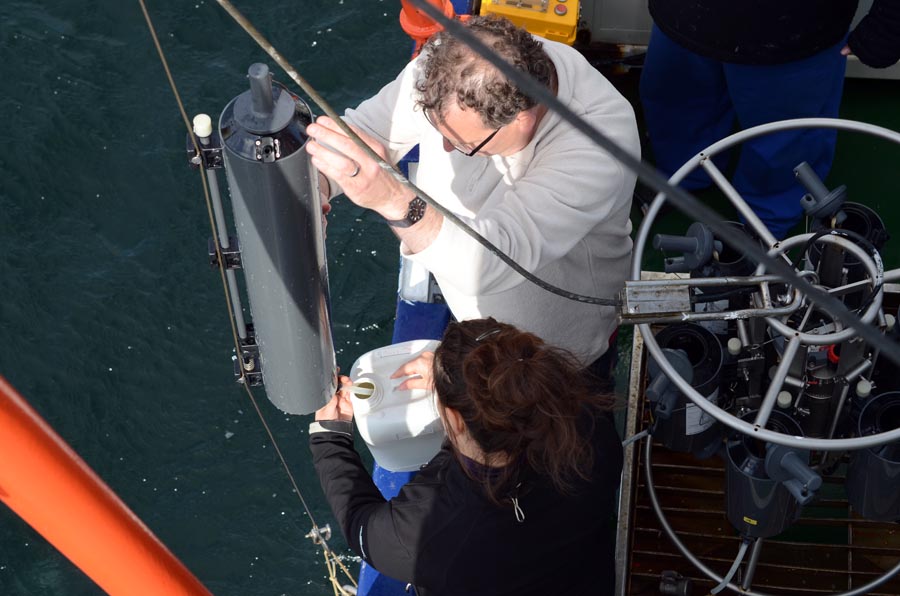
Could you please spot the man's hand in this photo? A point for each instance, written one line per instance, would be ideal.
(362, 178)
(420, 372)
(340, 407)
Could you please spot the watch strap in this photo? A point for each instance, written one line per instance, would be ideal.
(414, 213)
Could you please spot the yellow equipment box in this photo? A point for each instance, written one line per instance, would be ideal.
(556, 20)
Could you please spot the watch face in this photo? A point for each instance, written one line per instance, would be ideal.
(416, 210)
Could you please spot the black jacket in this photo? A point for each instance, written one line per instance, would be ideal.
(442, 534)
(777, 31)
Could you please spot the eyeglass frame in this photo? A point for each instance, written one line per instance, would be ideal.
(471, 153)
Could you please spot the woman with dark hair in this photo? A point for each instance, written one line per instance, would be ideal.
(522, 496)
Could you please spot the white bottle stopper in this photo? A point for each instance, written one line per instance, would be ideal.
(864, 388)
(784, 399)
(202, 125)
(734, 346)
(889, 322)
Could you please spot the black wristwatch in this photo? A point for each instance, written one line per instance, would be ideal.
(414, 213)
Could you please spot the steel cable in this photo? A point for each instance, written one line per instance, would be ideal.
(327, 550)
(653, 178)
(321, 103)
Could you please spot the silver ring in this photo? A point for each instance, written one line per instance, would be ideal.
(355, 172)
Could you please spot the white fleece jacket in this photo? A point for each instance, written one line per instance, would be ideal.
(560, 208)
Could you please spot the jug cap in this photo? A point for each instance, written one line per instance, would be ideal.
(365, 393)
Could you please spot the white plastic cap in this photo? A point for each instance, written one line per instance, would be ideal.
(863, 388)
(202, 125)
(365, 394)
(889, 322)
(785, 399)
(734, 346)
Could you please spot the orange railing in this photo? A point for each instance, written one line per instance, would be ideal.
(420, 26)
(45, 482)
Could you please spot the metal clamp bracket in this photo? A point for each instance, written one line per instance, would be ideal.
(231, 255)
(669, 300)
(248, 368)
(319, 534)
(210, 152)
(267, 149)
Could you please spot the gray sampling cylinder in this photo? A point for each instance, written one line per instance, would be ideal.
(278, 216)
(758, 506)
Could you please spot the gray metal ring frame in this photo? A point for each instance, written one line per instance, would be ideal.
(874, 268)
(702, 160)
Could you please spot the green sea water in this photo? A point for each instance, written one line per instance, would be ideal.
(113, 325)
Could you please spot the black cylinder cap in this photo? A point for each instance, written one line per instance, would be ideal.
(266, 108)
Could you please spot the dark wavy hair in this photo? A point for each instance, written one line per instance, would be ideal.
(453, 72)
(525, 403)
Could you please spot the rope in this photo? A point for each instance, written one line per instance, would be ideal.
(331, 563)
(321, 103)
(228, 301)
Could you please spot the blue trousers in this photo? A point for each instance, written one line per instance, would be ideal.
(690, 102)
(414, 320)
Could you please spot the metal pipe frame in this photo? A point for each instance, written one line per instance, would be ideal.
(764, 311)
(768, 403)
(222, 232)
(875, 269)
(873, 264)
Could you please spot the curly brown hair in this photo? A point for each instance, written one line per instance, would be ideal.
(454, 72)
(525, 403)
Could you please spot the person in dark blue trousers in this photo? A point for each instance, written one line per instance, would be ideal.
(711, 63)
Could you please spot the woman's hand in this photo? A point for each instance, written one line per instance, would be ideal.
(340, 407)
(420, 372)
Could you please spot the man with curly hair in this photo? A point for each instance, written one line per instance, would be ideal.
(515, 172)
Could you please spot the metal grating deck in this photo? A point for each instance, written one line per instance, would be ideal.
(828, 551)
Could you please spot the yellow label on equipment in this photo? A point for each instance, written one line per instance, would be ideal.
(752, 522)
(556, 20)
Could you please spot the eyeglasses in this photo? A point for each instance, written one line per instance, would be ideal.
(462, 149)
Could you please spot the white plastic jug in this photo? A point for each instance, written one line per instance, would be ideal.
(402, 428)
